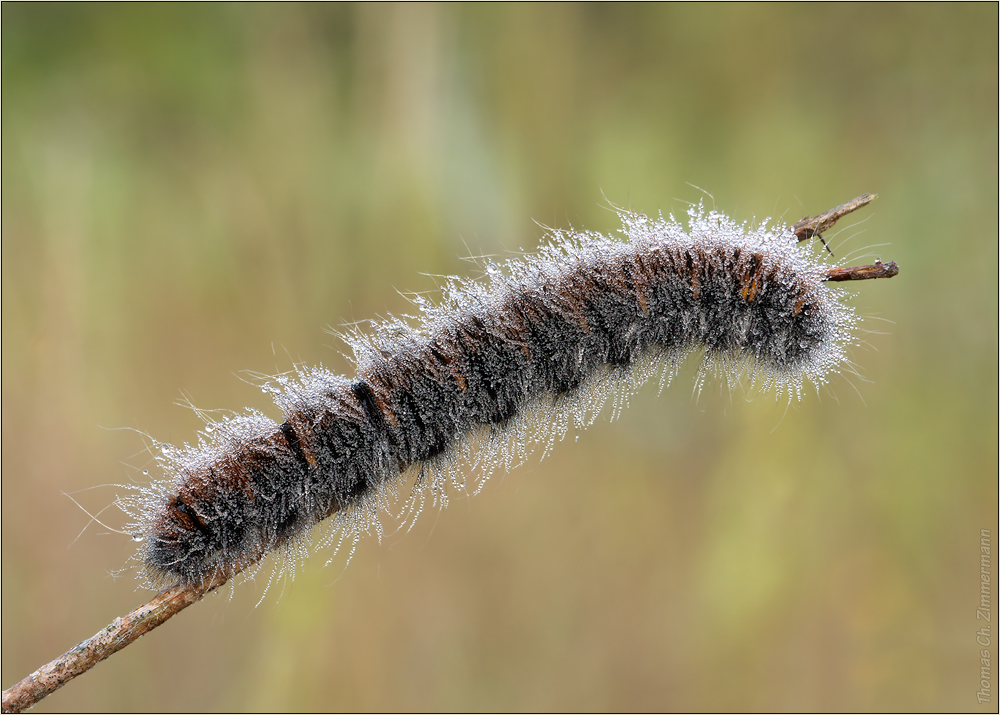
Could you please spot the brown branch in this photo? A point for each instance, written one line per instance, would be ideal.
(107, 642)
(815, 226)
(863, 273)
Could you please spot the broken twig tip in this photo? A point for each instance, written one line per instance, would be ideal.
(813, 227)
(810, 227)
(863, 273)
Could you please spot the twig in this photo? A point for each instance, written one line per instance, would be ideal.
(108, 641)
(814, 227)
(863, 273)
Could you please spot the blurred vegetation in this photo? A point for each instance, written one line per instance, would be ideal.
(190, 191)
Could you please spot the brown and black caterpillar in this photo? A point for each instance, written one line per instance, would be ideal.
(490, 367)
(494, 365)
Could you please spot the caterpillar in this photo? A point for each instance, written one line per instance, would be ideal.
(489, 369)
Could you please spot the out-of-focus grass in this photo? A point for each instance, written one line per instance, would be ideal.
(192, 191)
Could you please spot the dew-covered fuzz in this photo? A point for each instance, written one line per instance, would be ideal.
(492, 369)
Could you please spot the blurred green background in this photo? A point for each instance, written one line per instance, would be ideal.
(194, 191)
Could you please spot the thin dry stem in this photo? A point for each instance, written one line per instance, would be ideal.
(815, 226)
(104, 643)
(863, 273)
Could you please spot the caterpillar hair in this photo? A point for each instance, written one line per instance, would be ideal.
(491, 368)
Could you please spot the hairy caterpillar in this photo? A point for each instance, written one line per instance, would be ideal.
(548, 341)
